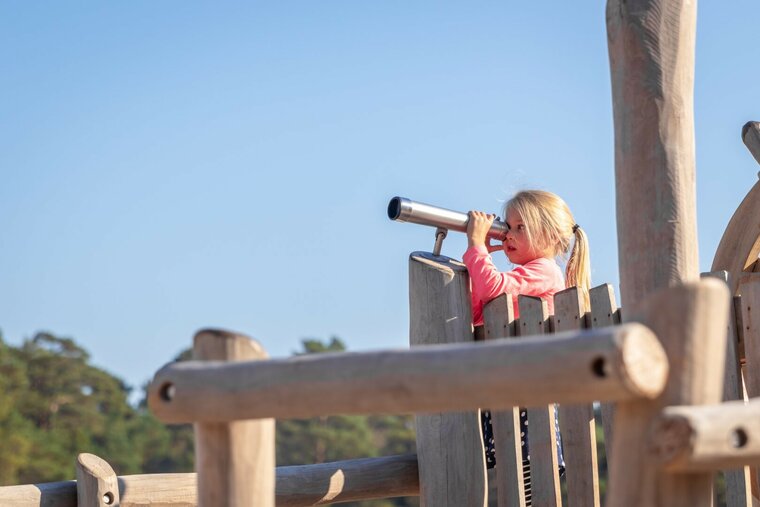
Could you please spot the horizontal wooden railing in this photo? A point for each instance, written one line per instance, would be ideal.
(296, 486)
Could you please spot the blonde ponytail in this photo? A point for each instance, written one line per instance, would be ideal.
(578, 269)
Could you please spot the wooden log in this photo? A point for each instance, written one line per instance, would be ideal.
(737, 480)
(348, 481)
(97, 485)
(451, 458)
(691, 321)
(605, 312)
(617, 363)
(296, 486)
(577, 422)
(751, 138)
(651, 52)
(542, 436)
(234, 460)
(708, 437)
(499, 322)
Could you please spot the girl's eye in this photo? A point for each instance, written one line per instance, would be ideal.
(521, 227)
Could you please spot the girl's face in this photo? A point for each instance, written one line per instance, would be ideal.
(516, 245)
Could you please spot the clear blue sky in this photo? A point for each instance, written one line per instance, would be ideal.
(168, 166)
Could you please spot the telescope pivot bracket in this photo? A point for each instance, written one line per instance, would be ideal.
(440, 235)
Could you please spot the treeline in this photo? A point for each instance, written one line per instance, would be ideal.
(55, 405)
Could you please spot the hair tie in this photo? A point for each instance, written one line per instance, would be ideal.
(575, 228)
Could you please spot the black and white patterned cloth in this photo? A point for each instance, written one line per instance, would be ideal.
(485, 419)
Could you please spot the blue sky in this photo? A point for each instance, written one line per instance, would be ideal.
(168, 166)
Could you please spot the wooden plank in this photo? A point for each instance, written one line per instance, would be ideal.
(577, 423)
(497, 374)
(749, 289)
(450, 451)
(605, 312)
(696, 355)
(738, 490)
(97, 485)
(499, 321)
(542, 437)
(234, 461)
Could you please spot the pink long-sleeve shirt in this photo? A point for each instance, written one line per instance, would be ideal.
(540, 277)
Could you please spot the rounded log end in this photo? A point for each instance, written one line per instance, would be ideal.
(222, 345)
(644, 362)
(750, 125)
(161, 393)
(439, 262)
(95, 466)
(670, 439)
(751, 138)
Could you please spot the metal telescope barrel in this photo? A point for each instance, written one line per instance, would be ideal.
(402, 209)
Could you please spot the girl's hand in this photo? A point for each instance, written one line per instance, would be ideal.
(477, 228)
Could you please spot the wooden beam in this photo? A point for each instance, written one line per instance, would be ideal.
(617, 363)
(708, 437)
(296, 486)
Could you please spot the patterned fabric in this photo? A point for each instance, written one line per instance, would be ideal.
(488, 442)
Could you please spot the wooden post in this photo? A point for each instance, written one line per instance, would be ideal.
(651, 51)
(235, 460)
(499, 322)
(690, 320)
(751, 138)
(450, 451)
(738, 492)
(97, 485)
(542, 436)
(577, 422)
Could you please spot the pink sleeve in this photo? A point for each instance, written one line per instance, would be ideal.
(487, 281)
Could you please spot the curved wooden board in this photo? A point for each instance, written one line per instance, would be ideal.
(740, 245)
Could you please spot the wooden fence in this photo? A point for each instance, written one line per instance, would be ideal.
(232, 393)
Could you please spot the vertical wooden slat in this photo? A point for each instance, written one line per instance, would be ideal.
(97, 485)
(577, 423)
(542, 437)
(235, 461)
(499, 322)
(450, 452)
(690, 321)
(604, 312)
(738, 492)
(749, 289)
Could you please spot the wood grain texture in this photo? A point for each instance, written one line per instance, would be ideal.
(577, 422)
(97, 485)
(651, 54)
(296, 486)
(497, 374)
(738, 490)
(690, 320)
(450, 454)
(234, 460)
(605, 312)
(542, 437)
(499, 322)
(709, 437)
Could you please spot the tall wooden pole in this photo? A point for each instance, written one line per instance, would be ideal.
(651, 50)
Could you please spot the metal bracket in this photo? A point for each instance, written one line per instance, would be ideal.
(440, 234)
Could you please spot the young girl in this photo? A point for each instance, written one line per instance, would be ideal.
(541, 228)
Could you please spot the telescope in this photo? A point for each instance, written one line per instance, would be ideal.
(401, 209)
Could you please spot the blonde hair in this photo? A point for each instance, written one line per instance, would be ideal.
(549, 226)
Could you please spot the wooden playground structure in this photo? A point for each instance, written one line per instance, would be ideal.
(669, 372)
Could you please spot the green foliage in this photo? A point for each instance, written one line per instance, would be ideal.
(55, 405)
